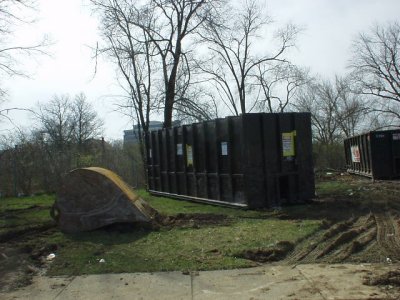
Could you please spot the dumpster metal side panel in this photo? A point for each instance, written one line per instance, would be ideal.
(253, 155)
(254, 160)
(304, 158)
(288, 164)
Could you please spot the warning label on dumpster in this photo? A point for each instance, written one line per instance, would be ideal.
(179, 149)
(396, 136)
(355, 154)
(189, 155)
(224, 148)
(288, 143)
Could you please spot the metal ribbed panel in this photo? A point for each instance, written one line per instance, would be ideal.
(253, 160)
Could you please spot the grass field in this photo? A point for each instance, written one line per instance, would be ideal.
(190, 245)
(352, 220)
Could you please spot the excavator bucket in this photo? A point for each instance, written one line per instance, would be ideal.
(90, 198)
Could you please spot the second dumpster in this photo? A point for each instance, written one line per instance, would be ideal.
(375, 154)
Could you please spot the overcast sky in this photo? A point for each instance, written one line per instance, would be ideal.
(324, 47)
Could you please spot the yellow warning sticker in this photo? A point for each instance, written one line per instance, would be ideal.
(288, 147)
(189, 155)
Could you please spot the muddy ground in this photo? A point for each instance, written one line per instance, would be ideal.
(359, 225)
(21, 257)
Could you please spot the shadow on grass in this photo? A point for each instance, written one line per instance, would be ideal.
(348, 204)
(114, 234)
(333, 209)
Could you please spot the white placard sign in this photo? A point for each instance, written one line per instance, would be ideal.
(224, 148)
(179, 149)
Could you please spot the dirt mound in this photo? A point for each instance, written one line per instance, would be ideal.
(195, 220)
(276, 253)
(338, 228)
(358, 245)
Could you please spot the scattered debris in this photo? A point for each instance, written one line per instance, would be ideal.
(50, 257)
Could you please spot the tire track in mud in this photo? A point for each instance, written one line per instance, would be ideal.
(336, 243)
(388, 234)
(310, 252)
(377, 231)
(342, 240)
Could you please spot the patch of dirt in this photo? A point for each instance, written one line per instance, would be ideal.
(363, 227)
(195, 220)
(276, 253)
(358, 245)
(22, 255)
(14, 270)
(337, 228)
(20, 232)
(337, 243)
(389, 278)
(9, 214)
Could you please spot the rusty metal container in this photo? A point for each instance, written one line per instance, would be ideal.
(375, 154)
(253, 160)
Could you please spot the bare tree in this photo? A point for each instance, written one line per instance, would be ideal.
(55, 124)
(376, 67)
(85, 122)
(279, 84)
(56, 120)
(196, 106)
(66, 121)
(156, 29)
(352, 111)
(14, 13)
(234, 58)
(193, 102)
(130, 48)
(21, 164)
(336, 112)
(65, 126)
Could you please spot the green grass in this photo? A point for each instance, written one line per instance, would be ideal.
(340, 187)
(206, 247)
(7, 204)
(170, 206)
(21, 213)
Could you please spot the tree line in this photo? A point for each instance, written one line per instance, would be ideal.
(196, 60)
(67, 134)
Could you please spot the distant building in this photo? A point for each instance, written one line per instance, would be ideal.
(131, 136)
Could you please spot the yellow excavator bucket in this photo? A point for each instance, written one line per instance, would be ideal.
(91, 198)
